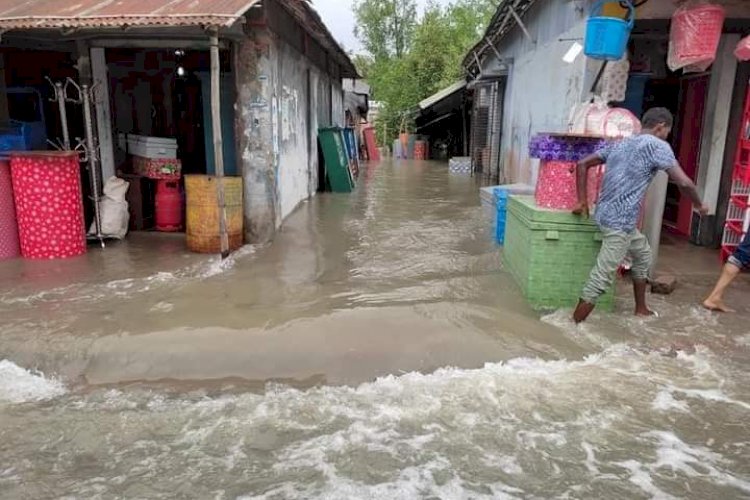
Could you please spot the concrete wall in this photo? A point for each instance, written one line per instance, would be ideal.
(308, 100)
(284, 96)
(337, 103)
(294, 165)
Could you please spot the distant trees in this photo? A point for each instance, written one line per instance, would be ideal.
(409, 58)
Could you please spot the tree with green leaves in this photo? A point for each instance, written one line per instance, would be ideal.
(408, 59)
(385, 27)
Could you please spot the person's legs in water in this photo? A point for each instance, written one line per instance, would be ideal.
(740, 260)
(615, 246)
(640, 251)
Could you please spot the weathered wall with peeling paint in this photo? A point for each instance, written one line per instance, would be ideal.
(254, 125)
(294, 165)
(337, 100)
(286, 91)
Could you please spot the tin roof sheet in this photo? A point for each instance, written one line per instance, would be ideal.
(29, 14)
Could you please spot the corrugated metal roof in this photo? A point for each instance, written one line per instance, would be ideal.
(501, 24)
(29, 14)
(442, 94)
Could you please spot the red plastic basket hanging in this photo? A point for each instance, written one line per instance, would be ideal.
(694, 37)
(743, 49)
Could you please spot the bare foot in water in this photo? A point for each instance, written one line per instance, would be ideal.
(716, 306)
(646, 313)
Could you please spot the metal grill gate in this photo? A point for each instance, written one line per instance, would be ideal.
(486, 129)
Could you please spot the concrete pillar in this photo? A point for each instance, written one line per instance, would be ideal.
(255, 122)
(716, 125)
(656, 197)
(716, 121)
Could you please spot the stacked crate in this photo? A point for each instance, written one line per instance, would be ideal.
(738, 211)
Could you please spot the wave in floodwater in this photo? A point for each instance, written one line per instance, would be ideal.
(86, 292)
(18, 385)
(622, 423)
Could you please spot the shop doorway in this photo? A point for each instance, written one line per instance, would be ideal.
(688, 134)
(685, 96)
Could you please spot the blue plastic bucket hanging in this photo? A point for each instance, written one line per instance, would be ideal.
(607, 37)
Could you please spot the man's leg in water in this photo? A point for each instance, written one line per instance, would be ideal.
(640, 251)
(615, 246)
(733, 267)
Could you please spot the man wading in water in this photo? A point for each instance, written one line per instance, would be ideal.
(631, 165)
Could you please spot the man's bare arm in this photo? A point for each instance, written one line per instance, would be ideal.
(687, 187)
(582, 169)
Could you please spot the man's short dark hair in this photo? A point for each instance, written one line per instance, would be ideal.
(657, 116)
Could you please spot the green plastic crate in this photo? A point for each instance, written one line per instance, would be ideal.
(550, 254)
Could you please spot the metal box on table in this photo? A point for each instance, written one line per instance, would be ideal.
(550, 254)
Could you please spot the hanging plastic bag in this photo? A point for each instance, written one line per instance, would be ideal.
(615, 123)
(579, 115)
(113, 208)
(694, 36)
(743, 49)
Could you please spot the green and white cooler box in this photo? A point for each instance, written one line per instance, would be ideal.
(550, 254)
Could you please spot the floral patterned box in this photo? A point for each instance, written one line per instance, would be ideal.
(161, 168)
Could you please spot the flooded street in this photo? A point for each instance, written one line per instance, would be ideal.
(375, 350)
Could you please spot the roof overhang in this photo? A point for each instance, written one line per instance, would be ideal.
(87, 14)
(507, 16)
(443, 94)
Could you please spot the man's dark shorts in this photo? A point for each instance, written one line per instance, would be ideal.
(741, 257)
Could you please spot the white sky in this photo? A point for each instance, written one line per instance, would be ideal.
(339, 18)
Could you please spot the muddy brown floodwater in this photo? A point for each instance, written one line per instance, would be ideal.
(376, 349)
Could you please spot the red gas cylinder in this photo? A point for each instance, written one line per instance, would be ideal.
(168, 206)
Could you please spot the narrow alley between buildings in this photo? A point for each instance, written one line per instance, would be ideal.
(375, 349)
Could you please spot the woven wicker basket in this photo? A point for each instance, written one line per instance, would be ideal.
(202, 225)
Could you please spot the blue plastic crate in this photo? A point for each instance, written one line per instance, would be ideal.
(501, 205)
(501, 195)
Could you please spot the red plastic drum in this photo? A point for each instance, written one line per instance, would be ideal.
(557, 187)
(49, 204)
(8, 227)
(420, 150)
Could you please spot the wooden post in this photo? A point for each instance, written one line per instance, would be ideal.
(4, 114)
(103, 112)
(218, 146)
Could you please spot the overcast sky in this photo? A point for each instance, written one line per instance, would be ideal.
(339, 18)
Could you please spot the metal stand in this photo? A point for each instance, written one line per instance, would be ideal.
(86, 148)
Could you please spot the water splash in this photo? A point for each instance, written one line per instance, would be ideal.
(18, 385)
